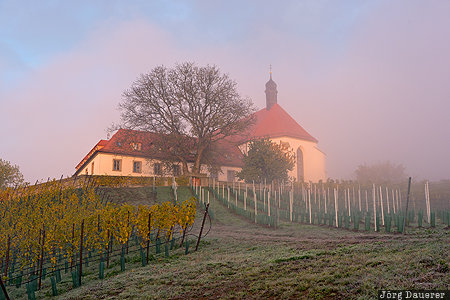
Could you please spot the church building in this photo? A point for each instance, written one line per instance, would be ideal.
(125, 153)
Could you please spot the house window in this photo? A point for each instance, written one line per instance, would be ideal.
(157, 169)
(176, 170)
(117, 164)
(137, 166)
(92, 168)
(214, 174)
(136, 146)
(230, 175)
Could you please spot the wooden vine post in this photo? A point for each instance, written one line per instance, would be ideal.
(107, 250)
(374, 207)
(73, 237)
(309, 205)
(7, 255)
(387, 201)
(407, 202)
(81, 252)
(254, 198)
(5, 293)
(291, 200)
(359, 197)
(148, 241)
(203, 224)
(42, 257)
(184, 234)
(128, 225)
(382, 208)
(336, 207)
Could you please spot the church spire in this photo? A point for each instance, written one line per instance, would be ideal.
(271, 92)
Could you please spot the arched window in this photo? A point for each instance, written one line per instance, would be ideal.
(300, 170)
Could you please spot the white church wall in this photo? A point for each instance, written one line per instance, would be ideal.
(313, 159)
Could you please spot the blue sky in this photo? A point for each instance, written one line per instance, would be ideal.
(368, 79)
(32, 33)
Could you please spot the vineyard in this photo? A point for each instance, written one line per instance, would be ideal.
(348, 206)
(53, 228)
(65, 237)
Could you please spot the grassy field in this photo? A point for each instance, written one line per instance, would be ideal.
(241, 260)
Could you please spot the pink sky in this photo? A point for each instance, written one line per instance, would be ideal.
(370, 84)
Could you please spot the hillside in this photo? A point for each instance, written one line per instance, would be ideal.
(239, 259)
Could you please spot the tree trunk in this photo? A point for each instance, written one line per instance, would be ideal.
(198, 160)
(185, 167)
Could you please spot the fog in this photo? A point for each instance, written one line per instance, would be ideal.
(369, 80)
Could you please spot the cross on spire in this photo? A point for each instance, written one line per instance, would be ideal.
(271, 91)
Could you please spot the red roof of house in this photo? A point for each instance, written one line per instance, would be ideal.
(98, 146)
(275, 122)
(121, 144)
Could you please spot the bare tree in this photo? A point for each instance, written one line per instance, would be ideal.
(190, 107)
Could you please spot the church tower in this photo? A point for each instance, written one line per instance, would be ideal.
(271, 93)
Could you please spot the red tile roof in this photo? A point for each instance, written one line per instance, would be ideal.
(275, 122)
(97, 147)
(121, 144)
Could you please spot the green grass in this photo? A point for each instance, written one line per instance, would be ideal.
(228, 268)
